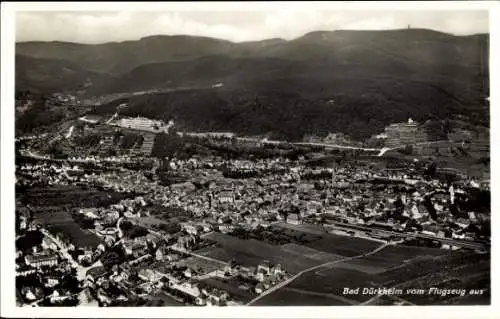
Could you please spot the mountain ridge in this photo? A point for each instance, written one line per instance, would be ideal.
(387, 75)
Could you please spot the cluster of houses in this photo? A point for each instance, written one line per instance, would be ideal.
(286, 191)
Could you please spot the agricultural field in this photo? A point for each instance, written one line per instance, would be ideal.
(70, 196)
(58, 220)
(333, 281)
(296, 297)
(309, 252)
(334, 244)
(473, 273)
(75, 235)
(252, 252)
(147, 221)
(303, 228)
(343, 245)
(162, 214)
(389, 257)
(51, 216)
(396, 268)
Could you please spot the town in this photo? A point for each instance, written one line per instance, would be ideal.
(113, 225)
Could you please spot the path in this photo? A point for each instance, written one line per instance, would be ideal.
(197, 255)
(120, 231)
(70, 132)
(289, 280)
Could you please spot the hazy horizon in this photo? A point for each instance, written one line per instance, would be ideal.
(235, 26)
(265, 39)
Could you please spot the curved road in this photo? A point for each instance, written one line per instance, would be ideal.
(289, 280)
(120, 231)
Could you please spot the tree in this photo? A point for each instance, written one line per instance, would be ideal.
(407, 150)
(57, 151)
(430, 170)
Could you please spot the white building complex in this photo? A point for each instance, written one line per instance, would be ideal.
(143, 124)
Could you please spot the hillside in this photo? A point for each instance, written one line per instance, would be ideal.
(349, 81)
(415, 45)
(120, 57)
(277, 109)
(55, 75)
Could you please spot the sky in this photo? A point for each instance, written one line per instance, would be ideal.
(234, 25)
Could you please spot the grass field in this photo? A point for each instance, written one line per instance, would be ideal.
(457, 274)
(309, 252)
(252, 252)
(343, 245)
(333, 281)
(334, 244)
(394, 266)
(77, 236)
(60, 221)
(147, 221)
(52, 216)
(296, 297)
(70, 196)
(389, 257)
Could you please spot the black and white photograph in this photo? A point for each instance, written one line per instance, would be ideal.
(195, 155)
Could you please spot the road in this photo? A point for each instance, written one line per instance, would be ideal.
(197, 255)
(266, 141)
(80, 270)
(70, 132)
(289, 280)
(62, 249)
(30, 154)
(120, 232)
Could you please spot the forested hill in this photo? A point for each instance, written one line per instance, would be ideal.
(350, 81)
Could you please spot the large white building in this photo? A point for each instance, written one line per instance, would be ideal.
(399, 134)
(41, 259)
(142, 124)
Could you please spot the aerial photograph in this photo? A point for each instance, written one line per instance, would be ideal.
(252, 158)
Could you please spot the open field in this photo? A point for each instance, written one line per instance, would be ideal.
(474, 274)
(59, 221)
(333, 281)
(252, 252)
(76, 235)
(303, 228)
(147, 221)
(389, 257)
(70, 196)
(335, 244)
(398, 267)
(51, 216)
(343, 245)
(297, 297)
(309, 252)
